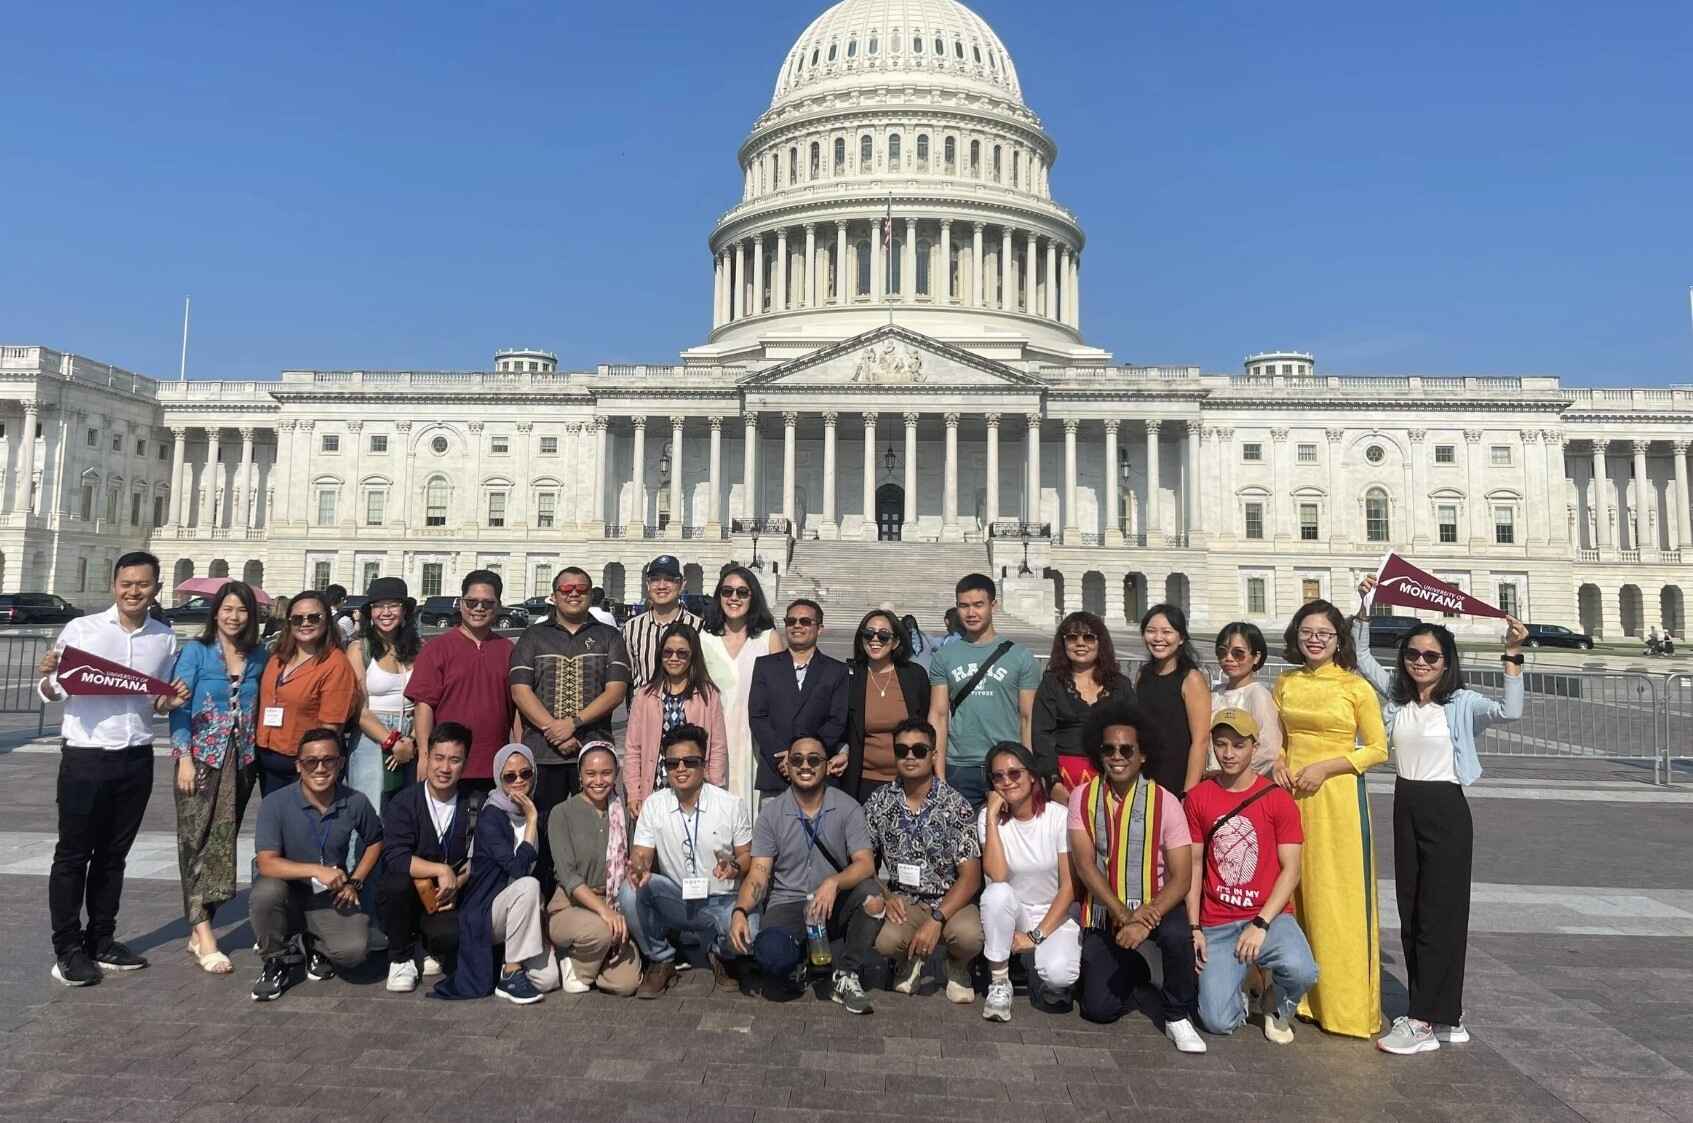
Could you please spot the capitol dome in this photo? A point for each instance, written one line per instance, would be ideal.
(941, 40)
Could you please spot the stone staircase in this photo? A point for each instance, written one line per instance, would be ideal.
(850, 578)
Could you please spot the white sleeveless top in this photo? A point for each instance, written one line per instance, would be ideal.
(385, 689)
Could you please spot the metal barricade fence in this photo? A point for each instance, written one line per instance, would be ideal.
(19, 654)
(1677, 728)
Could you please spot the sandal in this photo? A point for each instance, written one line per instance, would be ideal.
(213, 962)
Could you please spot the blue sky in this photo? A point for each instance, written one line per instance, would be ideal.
(1447, 187)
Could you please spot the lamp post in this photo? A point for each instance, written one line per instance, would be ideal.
(1123, 491)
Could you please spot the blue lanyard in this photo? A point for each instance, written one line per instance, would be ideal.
(811, 828)
(325, 825)
(690, 842)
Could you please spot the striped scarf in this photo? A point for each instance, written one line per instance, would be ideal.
(1125, 843)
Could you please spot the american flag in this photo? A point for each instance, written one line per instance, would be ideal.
(888, 227)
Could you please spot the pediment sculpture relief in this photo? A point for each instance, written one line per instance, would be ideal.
(887, 365)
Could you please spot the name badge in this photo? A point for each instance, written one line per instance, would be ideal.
(910, 873)
(695, 888)
(273, 717)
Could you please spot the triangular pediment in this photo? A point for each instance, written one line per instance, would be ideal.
(893, 357)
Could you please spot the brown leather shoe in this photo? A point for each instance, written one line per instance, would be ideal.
(657, 980)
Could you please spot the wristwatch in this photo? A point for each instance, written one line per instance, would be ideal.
(1260, 923)
(1517, 659)
(357, 883)
(1036, 936)
(940, 917)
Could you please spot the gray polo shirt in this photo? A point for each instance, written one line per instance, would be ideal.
(295, 830)
(782, 835)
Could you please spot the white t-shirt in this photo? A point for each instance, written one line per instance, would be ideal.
(1422, 743)
(440, 812)
(1032, 852)
(723, 824)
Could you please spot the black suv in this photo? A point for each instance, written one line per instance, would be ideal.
(1556, 635)
(36, 608)
(1387, 631)
(194, 610)
(443, 612)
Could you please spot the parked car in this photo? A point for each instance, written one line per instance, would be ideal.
(443, 612)
(1387, 631)
(194, 610)
(696, 603)
(1556, 635)
(36, 608)
(538, 608)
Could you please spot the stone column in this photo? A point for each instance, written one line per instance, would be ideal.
(1031, 270)
(1076, 290)
(1557, 477)
(908, 264)
(53, 491)
(749, 466)
(1154, 522)
(178, 460)
(1473, 486)
(600, 441)
(991, 485)
(1007, 295)
(1049, 306)
(678, 494)
(1642, 490)
(779, 303)
(946, 293)
(281, 477)
(714, 498)
(758, 275)
(976, 270)
(246, 505)
(911, 471)
(1415, 490)
(210, 508)
(1113, 502)
(638, 502)
(1336, 533)
(1282, 515)
(1031, 494)
(878, 280)
(831, 527)
(1683, 531)
(950, 530)
(717, 290)
(1596, 516)
(841, 295)
(809, 296)
(739, 307)
(1537, 505)
(1072, 525)
(790, 422)
(870, 532)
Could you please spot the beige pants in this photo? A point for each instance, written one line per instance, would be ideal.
(585, 938)
(515, 918)
(961, 935)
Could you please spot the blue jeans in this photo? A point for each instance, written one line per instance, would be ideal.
(1285, 957)
(365, 775)
(657, 907)
(966, 778)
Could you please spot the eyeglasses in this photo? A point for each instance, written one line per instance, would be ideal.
(306, 619)
(876, 635)
(1428, 657)
(662, 579)
(572, 590)
(1318, 637)
(477, 604)
(1233, 653)
(514, 777)
(670, 654)
(1124, 749)
(688, 762)
(1080, 637)
(319, 763)
(809, 760)
(921, 752)
(735, 592)
(1007, 775)
(800, 621)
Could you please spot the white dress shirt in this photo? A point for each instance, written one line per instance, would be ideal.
(113, 721)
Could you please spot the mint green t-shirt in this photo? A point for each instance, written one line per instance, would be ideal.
(990, 714)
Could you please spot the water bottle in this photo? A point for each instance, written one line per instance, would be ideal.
(816, 938)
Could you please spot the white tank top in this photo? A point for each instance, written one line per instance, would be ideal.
(386, 690)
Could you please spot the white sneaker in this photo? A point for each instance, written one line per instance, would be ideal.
(431, 967)
(568, 982)
(402, 977)
(1452, 1035)
(998, 1006)
(1278, 1030)
(910, 973)
(1185, 1037)
(959, 990)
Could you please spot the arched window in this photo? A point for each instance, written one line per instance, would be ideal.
(840, 156)
(1016, 169)
(922, 152)
(940, 47)
(916, 44)
(775, 170)
(1376, 528)
(958, 49)
(993, 60)
(998, 169)
(978, 53)
(816, 160)
(852, 47)
(435, 494)
(793, 166)
(893, 152)
(862, 249)
(924, 249)
(951, 164)
(832, 49)
(866, 158)
(814, 56)
(874, 43)
(975, 159)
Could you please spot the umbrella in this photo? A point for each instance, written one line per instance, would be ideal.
(207, 586)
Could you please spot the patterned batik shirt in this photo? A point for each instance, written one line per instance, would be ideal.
(567, 671)
(935, 840)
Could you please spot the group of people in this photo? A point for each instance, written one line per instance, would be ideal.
(944, 816)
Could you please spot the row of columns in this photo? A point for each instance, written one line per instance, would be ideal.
(738, 294)
(216, 499)
(1615, 506)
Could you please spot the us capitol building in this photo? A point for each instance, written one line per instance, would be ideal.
(921, 382)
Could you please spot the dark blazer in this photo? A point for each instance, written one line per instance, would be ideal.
(913, 683)
(779, 712)
(408, 832)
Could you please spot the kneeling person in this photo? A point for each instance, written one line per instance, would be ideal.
(1245, 909)
(303, 838)
(425, 861)
(931, 866)
(588, 834)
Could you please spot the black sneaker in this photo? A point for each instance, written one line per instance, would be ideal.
(318, 967)
(272, 981)
(116, 957)
(517, 988)
(1052, 1000)
(76, 969)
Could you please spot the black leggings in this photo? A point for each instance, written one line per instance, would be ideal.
(1433, 843)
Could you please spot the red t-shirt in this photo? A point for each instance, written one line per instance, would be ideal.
(465, 682)
(1241, 864)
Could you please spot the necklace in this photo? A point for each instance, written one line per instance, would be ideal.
(884, 676)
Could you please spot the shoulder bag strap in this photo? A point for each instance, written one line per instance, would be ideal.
(981, 671)
(1205, 855)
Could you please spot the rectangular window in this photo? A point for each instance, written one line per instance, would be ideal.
(93, 438)
(164, 451)
(496, 508)
(375, 508)
(379, 442)
(112, 505)
(82, 575)
(117, 442)
(1500, 456)
(1446, 516)
(322, 574)
(141, 448)
(1508, 599)
(1308, 525)
(1504, 526)
(549, 446)
(1252, 452)
(135, 509)
(430, 584)
(543, 575)
(1307, 454)
(500, 445)
(331, 443)
(1255, 521)
(1310, 589)
(372, 570)
(1445, 454)
(326, 507)
(87, 502)
(1256, 600)
(158, 510)
(1375, 520)
(546, 508)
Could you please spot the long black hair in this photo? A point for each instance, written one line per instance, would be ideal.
(243, 592)
(407, 643)
(1186, 660)
(1404, 691)
(902, 638)
(759, 619)
(699, 679)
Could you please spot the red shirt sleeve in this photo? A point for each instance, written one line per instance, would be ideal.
(1284, 813)
(1191, 806)
(425, 684)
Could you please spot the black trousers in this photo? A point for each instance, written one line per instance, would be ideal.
(405, 922)
(1433, 844)
(276, 771)
(1110, 973)
(103, 795)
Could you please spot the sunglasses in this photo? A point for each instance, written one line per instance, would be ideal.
(921, 752)
(687, 762)
(514, 777)
(1233, 653)
(1007, 775)
(800, 621)
(876, 635)
(1428, 657)
(1124, 749)
(809, 760)
(572, 590)
(669, 654)
(1080, 637)
(735, 592)
(319, 763)
(306, 619)
(477, 604)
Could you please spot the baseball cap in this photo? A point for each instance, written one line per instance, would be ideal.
(665, 565)
(1236, 719)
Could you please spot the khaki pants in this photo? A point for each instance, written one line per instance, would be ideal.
(515, 918)
(585, 938)
(961, 935)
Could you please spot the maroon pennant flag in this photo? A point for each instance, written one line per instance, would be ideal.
(83, 672)
(1399, 582)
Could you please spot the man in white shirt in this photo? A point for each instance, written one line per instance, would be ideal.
(105, 772)
(698, 839)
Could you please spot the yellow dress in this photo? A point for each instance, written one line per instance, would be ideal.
(1327, 713)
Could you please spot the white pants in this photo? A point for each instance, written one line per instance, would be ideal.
(517, 922)
(1058, 959)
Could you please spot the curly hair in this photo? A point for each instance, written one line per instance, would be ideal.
(1345, 651)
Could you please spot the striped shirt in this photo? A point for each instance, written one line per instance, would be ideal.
(642, 634)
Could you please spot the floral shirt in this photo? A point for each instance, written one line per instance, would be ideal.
(934, 840)
(219, 711)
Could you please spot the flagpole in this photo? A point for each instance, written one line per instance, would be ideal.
(888, 239)
(182, 371)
